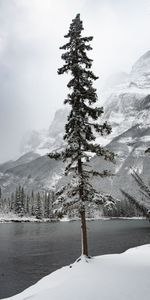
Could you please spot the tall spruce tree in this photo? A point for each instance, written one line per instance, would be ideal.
(19, 205)
(38, 208)
(82, 124)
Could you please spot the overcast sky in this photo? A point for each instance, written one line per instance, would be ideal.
(31, 32)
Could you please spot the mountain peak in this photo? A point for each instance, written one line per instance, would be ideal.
(140, 74)
(145, 56)
(57, 126)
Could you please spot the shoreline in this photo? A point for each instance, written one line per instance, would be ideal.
(4, 220)
(92, 276)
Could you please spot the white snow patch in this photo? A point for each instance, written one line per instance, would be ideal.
(138, 167)
(145, 139)
(116, 117)
(65, 219)
(103, 141)
(123, 276)
(42, 151)
(54, 180)
(139, 151)
(126, 140)
(12, 217)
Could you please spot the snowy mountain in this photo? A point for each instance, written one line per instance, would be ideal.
(34, 170)
(44, 141)
(126, 108)
(140, 74)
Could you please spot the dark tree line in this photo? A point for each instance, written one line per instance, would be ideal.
(49, 206)
(39, 205)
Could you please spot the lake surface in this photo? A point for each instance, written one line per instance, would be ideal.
(29, 251)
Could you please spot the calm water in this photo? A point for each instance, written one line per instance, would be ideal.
(30, 251)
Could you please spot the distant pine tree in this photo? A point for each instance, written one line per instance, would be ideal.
(32, 204)
(19, 207)
(47, 205)
(12, 204)
(38, 208)
(23, 200)
(28, 205)
(82, 125)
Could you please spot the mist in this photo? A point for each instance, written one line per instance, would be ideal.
(31, 32)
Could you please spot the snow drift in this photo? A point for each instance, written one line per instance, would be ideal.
(123, 276)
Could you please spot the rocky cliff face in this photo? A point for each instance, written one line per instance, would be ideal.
(44, 141)
(34, 170)
(127, 109)
(140, 74)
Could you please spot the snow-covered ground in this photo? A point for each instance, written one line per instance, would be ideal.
(11, 217)
(109, 277)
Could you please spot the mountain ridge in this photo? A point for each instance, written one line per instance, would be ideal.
(126, 108)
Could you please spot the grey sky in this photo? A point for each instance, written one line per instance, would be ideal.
(31, 32)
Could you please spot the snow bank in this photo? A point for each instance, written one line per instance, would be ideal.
(11, 217)
(123, 276)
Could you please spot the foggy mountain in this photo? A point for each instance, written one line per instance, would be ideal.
(126, 108)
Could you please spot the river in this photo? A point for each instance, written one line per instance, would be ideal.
(29, 251)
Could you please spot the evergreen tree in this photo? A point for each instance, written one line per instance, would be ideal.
(38, 209)
(52, 197)
(47, 205)
(32, 204)
(19, 208)
(23, 200)
(28, 205)
(1, 200)
(82, 124)
(12, 205)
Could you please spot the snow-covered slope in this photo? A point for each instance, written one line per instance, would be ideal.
(127, 108)
(41, 174)
(140, 74)
(44, 141)
(34, 170)
(117, 277)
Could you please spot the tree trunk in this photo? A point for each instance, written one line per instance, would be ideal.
(84, 241)
(84, 234)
